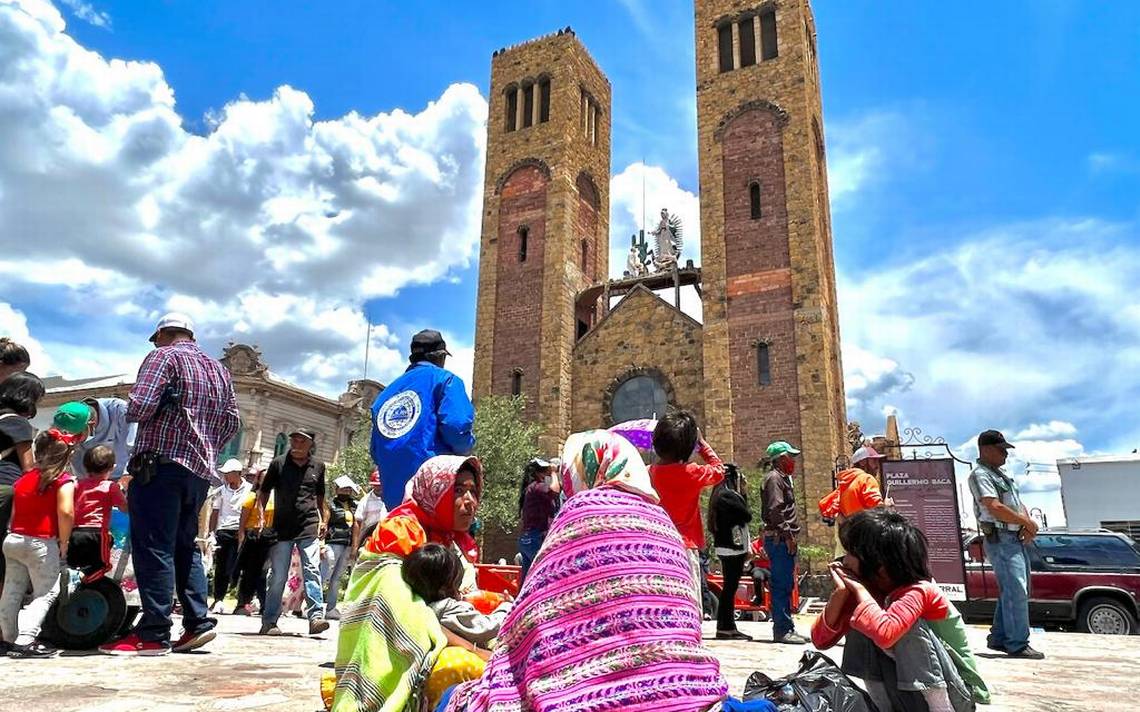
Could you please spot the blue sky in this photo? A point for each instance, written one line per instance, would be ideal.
(984, 167)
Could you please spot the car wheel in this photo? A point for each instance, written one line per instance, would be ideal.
(1105, 616)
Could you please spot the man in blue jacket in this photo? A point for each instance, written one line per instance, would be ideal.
(423, 413)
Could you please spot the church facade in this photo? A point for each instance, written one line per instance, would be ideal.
(590, 351)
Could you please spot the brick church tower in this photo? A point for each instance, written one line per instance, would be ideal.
(771, 330)
(545, 223)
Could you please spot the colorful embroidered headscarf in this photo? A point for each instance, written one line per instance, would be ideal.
(431, 500)
(599, 457)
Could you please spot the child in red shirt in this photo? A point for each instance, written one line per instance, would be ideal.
(42, 516)
(679, 482)
(89, 549)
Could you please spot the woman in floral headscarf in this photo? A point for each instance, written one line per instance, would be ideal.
(604, 620)
(390, 641)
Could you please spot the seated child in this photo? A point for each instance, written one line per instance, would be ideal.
(905, 639)
(679, 482)
(434, 572)
(89, 549)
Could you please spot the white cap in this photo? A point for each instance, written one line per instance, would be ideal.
(865, 453)
(346, 481)
(230, 465)
(173, 320)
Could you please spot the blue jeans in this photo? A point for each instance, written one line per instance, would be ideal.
(333, 564)
(279, 556)
(1010, 631)
(164, 524)
(782, 566)
(529, 544)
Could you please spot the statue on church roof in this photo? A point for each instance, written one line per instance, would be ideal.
(667, 241)
(634, 267)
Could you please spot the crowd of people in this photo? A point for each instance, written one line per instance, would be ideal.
(609, 611)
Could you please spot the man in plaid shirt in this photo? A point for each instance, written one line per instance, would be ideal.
(184, 403)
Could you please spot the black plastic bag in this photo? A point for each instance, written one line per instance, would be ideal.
(818, 686)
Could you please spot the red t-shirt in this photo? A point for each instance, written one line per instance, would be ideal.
(35, 513)
(93, 501)
(679, 485)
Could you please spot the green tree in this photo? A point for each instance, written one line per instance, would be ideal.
(504, 442)
(355, 459)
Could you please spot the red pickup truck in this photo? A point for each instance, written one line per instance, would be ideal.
(1088, 580)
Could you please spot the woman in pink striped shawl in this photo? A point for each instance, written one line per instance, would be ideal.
(605, 619)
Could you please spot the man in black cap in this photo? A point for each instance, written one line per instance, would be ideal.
(1007, 527)
(423, 413)
(296, 480)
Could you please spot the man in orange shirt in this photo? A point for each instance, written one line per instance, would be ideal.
(679, 482)
(858, 489)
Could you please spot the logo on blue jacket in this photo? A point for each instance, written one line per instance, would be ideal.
(399, 414)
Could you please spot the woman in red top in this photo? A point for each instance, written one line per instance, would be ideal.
(43, 511)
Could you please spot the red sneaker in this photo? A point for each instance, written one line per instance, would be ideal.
(193, 641)
(133, 645)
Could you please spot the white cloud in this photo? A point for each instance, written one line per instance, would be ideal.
(864, 151)
(868, 377)
(1015, 325)
(86, 11)
(1046, 431)
(1106, 162)
(273, 227)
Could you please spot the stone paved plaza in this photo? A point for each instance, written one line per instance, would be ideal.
(242, 671)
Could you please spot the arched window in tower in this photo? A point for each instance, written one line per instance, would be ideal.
(763, 364)
(524, 235)
(585, 257)
(516, 382)
(512, 108)
(747, 41)
(754, 199)
(528, 105)
(544, 100)
(724, 46)
(280, 444)
(768, 47)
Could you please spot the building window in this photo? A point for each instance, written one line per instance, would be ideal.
(641, 396)
(754, 199)
(585, 255)
(528, 105)
(512, 108)
(280, 444)
(516, 382)
(524, 234)
(763, 364)
(583, 328)
(543, 100)
(768, 47)
(747, 42)
(724, 45)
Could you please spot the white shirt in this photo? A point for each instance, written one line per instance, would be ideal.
(370, 510)
(228, 502)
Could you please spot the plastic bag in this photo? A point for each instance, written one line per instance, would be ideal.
(818, 686)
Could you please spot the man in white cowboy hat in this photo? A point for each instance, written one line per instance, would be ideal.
(186, 410)
(225, 516)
